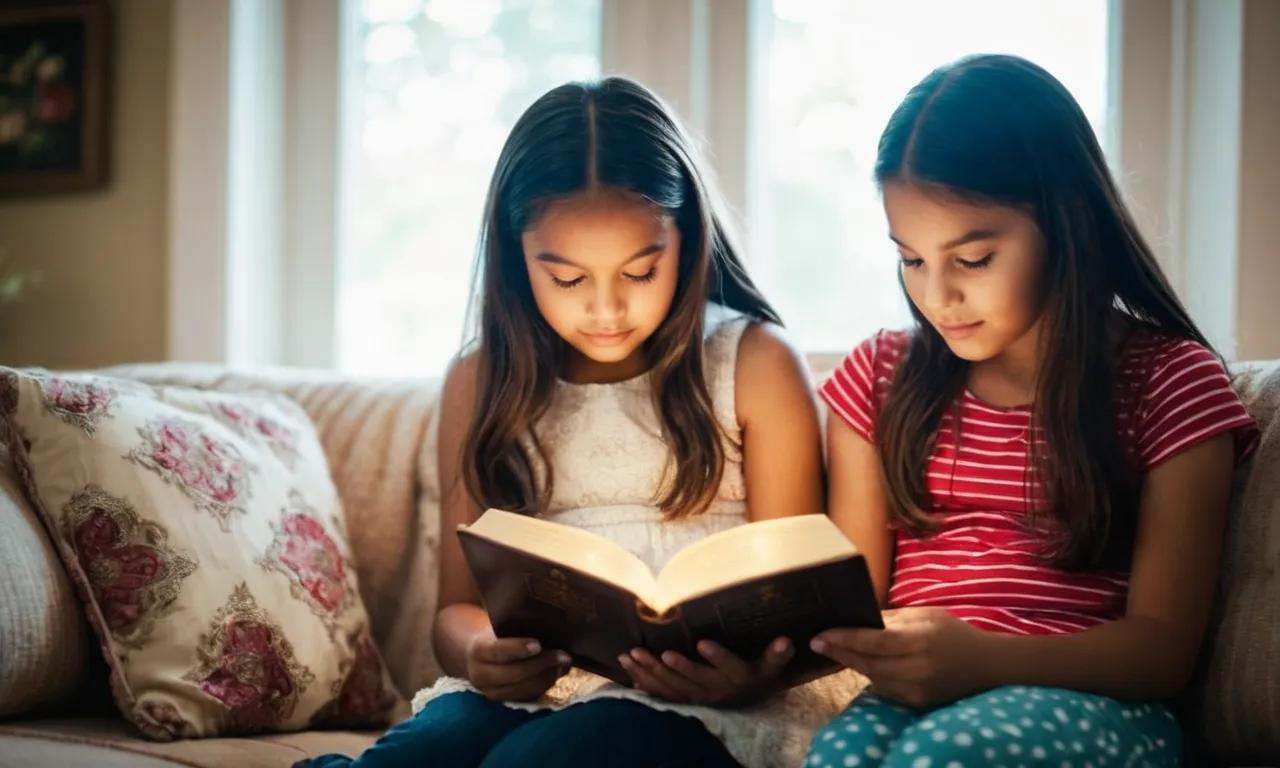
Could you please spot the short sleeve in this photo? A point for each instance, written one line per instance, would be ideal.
(1187, 399)
(851, 390)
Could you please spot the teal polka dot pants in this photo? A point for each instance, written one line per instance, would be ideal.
(1014, 726)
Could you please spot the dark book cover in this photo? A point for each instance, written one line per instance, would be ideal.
(595, 621)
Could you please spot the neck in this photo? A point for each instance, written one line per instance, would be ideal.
(1012, 377)
(580, 369)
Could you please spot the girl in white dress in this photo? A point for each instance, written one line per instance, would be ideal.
(629, 379)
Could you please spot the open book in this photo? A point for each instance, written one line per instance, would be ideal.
(575, 591)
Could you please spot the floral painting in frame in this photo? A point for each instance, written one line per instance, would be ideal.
(54, 83)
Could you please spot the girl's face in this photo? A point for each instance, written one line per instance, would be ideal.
(603, 270)
(974, 272)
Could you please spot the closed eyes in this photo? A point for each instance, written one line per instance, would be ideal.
(647, 277)
(985, 261)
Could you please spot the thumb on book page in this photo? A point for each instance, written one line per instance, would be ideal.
(493, 650)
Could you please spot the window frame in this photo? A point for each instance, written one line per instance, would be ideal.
(697, 53)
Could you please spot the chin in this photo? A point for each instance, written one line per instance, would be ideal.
(605, 354)
(971, 350)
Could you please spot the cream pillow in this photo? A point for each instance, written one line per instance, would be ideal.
(205, 537)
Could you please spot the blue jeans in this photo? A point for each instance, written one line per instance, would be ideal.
(466, 730)
(1012, 726)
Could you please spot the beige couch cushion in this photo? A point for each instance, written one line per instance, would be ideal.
(374, 433)
(206, 537)
(110, 743)
(43, 635)
(1234, 704)
(410, 653)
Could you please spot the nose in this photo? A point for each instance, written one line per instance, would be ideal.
(607, 304)
(940, 291)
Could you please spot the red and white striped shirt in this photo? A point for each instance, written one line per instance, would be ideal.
(983, 564)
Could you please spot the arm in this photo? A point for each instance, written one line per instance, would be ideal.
(515, 669)
(857, 503)
(781, 440)
(925, 656)
(1151, 652)
(459, 616)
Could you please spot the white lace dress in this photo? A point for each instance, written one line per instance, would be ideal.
(605, 443)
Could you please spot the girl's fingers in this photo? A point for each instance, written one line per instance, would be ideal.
(492, 650)
(843, 656)
(898, 641)
(700, 674)
(527, 689)
(728, 664)
(667, 676)
(498, 675)
(646, 679)
(776, 657)
(898, 669)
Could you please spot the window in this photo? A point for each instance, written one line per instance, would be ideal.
(438, 83)
(835, 70)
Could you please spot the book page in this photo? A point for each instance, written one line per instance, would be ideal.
(749, 552)
(568, 546)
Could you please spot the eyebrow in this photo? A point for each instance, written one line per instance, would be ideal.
(972, 236)
(547, 257)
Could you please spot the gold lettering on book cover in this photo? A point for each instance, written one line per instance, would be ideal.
(761, 614)
(554, 589)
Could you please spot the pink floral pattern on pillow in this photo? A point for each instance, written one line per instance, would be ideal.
(82, 403)
(210, 471)
(134, 575)
(360, 698)
(247, 420)
(175, 520)
(304, 551)
(248, 665)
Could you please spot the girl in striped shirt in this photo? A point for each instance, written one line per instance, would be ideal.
(1039, 472)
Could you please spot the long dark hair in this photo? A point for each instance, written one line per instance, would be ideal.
(612, 135)
(1001, 130)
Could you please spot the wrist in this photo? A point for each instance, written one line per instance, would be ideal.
(994, 660)
(1008, 659)
(457, 627)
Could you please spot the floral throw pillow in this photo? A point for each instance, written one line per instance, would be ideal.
(205, 537)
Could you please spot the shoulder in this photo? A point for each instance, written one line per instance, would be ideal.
(886, 347)
(1154, 352)
(857, 388)
(767, 355)
(764, 345)
(460, 381)
(769, 366)
(872, 362)
(1165, 368)
(1185, 396)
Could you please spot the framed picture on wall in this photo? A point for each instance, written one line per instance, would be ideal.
(54, 92)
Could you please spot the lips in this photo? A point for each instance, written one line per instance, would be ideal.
(607, 339)
(958, 330)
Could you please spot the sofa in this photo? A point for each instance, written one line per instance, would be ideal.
(56, 708)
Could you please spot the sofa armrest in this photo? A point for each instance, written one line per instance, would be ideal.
(44, 640)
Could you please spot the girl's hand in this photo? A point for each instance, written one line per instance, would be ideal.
(725, 680)
(922, 658)
(513, 669)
